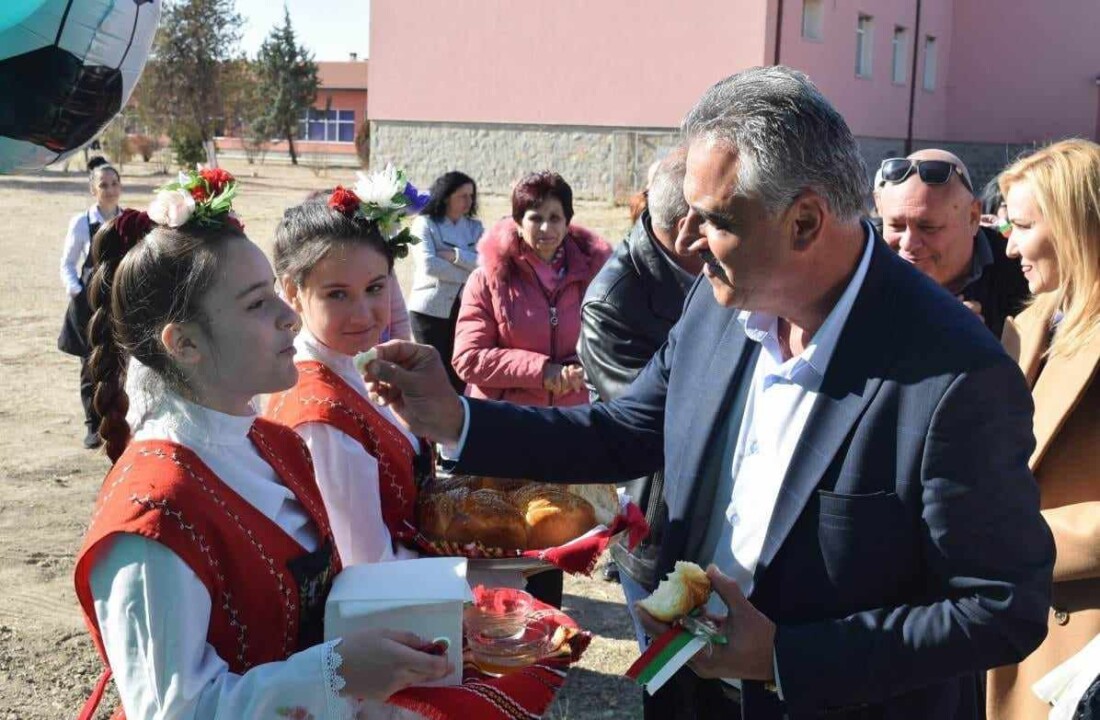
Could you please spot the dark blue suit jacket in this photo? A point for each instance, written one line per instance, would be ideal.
(906, 552)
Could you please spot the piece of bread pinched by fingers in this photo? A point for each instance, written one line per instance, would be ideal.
(686, 588)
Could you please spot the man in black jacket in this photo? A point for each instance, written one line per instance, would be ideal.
(627, 312)
(930, 217)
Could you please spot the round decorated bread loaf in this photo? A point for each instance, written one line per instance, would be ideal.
(487, 517)
(511, 514)
(554, 516)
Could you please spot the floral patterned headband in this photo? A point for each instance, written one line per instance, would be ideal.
(204, 197)
(382, 198)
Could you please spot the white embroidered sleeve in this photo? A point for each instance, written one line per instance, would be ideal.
(154, 613)
(348, 478)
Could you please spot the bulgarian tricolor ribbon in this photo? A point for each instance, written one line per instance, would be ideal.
(672, 650)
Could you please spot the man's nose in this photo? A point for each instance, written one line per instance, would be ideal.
(689, 239)
(909, 240)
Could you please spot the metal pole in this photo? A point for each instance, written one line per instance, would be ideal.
(778, 31)
(913, 83)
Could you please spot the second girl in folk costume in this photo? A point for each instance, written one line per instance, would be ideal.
(334, 260)
(208, 559)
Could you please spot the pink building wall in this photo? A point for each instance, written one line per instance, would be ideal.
(873, 106)
(571, 62)
(1025, 70)
(1006, 72)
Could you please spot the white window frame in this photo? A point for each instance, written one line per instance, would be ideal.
(928, 82)
(900, 49)
(331, 124)
(865, 41)
(813, 20)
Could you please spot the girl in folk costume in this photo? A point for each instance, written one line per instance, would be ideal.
(76, 272)
(334, 258)
(209, 556)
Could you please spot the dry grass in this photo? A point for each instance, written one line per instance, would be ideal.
(48, 483)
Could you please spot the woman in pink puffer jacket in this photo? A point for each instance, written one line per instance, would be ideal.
(520, 317)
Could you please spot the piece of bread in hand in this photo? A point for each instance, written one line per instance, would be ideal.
(686, 588)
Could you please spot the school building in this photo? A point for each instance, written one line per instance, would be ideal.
(326, 133)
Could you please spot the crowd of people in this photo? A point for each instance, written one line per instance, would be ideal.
(870, 409)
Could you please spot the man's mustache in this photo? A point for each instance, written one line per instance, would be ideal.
(715, 268)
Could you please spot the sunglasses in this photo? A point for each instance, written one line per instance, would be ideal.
(931, 172)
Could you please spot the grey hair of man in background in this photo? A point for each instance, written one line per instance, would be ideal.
(667, 206)
(788, 139)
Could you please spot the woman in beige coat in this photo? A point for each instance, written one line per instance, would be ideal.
(1053, 201)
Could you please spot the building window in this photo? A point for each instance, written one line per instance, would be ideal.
(929, 63)
(864, 41)
(901, 50)
(813, 19)
(327, 126)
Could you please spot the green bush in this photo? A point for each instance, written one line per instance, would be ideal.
(188, 149)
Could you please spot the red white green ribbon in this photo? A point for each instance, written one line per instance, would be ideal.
(664, 656)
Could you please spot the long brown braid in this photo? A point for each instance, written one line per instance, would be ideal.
(140, 286)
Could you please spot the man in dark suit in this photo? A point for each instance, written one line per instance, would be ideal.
(842, 440)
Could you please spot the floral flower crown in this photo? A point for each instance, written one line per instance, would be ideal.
(382, 198)
(204, 197)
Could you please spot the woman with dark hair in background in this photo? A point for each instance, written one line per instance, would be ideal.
(449, 230)
(76, 271)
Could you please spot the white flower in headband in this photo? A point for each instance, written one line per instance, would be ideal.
(172, 208)
(383, 189)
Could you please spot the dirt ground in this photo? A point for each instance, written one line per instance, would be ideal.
(48, 482)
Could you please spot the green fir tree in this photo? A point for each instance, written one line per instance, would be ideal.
(288, 82)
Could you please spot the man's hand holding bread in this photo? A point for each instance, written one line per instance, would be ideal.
(750, 635)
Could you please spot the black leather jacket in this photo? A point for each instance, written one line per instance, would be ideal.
(626, 316)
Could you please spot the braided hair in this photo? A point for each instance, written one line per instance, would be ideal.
(139, 287)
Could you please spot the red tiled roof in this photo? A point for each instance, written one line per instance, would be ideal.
(343, 75)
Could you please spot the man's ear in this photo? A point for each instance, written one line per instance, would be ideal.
(974, 216)
(182, 344)
(292, 293)
(807, 218)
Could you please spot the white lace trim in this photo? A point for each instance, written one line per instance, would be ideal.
(337, 707)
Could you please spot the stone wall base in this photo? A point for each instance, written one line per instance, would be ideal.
(599, 163)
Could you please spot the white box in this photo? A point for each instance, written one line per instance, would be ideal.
(423, 596)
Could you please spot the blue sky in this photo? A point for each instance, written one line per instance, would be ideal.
(330, 28)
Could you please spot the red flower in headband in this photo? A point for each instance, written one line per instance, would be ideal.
(344, 201)
(132, 226)
(214, 181)
(217, 179)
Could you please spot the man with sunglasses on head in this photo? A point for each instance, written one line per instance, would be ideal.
(931, 218)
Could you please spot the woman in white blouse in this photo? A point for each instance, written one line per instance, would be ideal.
(76, 270)
(449, 230)
(336, 270)
(208, 558)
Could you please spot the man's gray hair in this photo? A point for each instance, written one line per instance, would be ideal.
(665, 197)
(788, 139)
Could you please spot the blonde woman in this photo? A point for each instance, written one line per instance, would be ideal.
(1053, 200)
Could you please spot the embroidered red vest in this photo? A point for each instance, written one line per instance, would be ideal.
(267, 594)
(322, 396)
